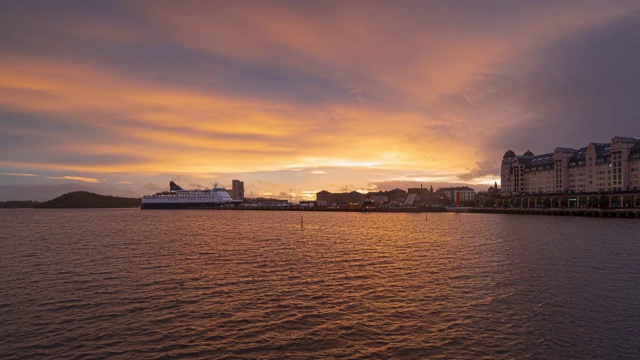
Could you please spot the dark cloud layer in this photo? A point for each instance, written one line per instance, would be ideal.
(579, 89)
(583, 88)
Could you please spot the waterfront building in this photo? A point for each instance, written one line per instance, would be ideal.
(325, 197)
(312, 203)
(493, 190)
(237, 190)
(599, 167)
(337, 199)
(394, 195)
(412, 200)
(378, 198)
(457, 195)
(427, 196)
(267, 202)
(399, 197)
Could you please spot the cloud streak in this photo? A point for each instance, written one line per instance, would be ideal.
(17, 174)
(75, 178)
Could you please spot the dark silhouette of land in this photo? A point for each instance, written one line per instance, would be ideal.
(84, 199)
(15, 204)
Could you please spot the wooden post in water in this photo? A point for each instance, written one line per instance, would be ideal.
(301, 221)
(426, 217)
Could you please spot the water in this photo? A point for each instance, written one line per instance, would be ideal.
(131, 284)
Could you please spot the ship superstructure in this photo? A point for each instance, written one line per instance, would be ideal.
(178, 198)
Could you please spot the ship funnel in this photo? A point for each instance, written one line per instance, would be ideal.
(174, 187)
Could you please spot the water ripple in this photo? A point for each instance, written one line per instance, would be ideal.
(136, 284)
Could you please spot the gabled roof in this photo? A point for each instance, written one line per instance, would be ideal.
(396, 190)
(412, 199)
(377, 199)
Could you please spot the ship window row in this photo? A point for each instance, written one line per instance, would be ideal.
(175, 197)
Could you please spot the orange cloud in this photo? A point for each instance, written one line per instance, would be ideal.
(75, 178)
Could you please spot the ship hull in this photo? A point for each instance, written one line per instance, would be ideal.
(190, 205)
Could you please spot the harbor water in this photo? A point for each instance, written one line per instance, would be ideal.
(133, 284)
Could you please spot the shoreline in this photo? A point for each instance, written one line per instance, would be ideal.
(630, 213)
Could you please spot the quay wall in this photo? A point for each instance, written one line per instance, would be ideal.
(601, 213)
(585, 212)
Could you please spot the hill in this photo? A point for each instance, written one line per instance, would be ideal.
(84, 199)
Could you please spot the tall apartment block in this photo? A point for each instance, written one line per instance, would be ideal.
(599, 167)
(237, 190)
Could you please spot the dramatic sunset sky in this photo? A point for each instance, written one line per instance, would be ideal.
(120, 97)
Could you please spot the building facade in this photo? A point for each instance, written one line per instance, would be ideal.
(598, 167)
(237, 190)
(458, 195)
(335, 199)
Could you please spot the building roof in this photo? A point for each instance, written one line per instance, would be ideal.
(627, 138)
(396, 191)
(377, 198)
(564, 148)
(538, 161)
(412, 199)
(455, 188)
(579, 157)
(601, 147)
(543, 157)
(509, 154)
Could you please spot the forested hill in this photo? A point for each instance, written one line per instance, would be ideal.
(84, 199)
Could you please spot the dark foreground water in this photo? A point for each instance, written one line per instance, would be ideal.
(137, 284)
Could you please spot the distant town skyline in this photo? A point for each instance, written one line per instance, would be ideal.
(295, 97)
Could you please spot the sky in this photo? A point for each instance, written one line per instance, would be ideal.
(295, 97)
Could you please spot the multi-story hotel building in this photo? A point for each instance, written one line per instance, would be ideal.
(599, 167)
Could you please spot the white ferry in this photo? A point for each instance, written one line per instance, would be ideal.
(178, 198)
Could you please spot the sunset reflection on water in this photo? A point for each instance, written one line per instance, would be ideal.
(249, 284)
